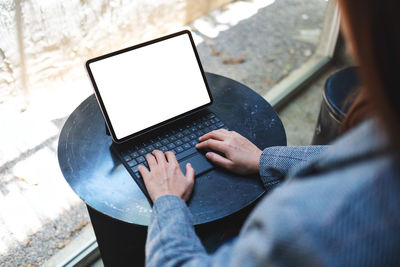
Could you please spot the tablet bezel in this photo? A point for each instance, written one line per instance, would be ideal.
(151, 128)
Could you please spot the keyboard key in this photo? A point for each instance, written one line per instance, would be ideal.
(140, 159)
(172, 139)
(134, 154)
(171, 146)
(150, 148)
(186, 146)
(212, 121)
(192, 136)
(213, 127)
(186, 132)
(137, 174)
(178, 149)
(179, 135)
(132, 163)
(127, 158)
(178, 143)
(220, 124)
(193, 129)
(135, 168)
(164, 149)
(164, 142)
(157, 145)
(186, 139)
(142, 151)
(193, 142)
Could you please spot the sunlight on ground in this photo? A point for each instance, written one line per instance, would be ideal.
(33, 190)
(223, 19)
(40, 195)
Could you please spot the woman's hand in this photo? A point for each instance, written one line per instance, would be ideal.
(165, 176)
(241, 156)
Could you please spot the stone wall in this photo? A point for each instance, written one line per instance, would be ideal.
(41, 40)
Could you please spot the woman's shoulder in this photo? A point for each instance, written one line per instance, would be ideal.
(359, 166)
(342, 200)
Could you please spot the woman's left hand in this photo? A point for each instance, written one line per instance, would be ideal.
(165, 176)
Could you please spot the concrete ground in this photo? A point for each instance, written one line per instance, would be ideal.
(255, 42)
(271, 39)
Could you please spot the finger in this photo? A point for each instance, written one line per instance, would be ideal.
(219, 134)
(144, 172)
(213, 144)
(151, 160)
(190, 174)
(160, 157)
(171, 157)
(219, 160)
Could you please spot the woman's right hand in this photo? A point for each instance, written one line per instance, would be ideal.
(241, 155)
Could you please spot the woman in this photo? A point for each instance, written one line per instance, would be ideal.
(338, 205)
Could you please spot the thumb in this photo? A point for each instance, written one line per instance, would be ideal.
(190, 172)
(190, 178)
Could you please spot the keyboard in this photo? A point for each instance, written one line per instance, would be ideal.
(181, 140)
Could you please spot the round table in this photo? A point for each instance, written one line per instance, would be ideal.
(103, 183)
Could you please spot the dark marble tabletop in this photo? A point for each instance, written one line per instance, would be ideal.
(97, 176)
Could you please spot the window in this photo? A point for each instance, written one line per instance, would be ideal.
(271, 46)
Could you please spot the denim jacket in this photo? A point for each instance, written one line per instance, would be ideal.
(338, 205)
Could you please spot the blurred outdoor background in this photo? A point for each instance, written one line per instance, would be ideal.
(43, 48)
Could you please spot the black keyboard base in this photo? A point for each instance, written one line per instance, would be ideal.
(179, 138)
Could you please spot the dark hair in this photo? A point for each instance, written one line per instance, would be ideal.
(374, 32)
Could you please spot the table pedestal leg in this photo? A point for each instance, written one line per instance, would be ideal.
(123, 244)
(120, 243)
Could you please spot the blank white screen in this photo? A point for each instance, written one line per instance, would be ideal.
(149, 85)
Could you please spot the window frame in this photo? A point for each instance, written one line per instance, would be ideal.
(282, 92)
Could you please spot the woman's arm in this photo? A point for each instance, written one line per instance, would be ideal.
(171, 239)
(243, 157)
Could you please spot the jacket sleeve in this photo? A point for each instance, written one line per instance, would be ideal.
(264, 240)
(172, 241)
(276, 161)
